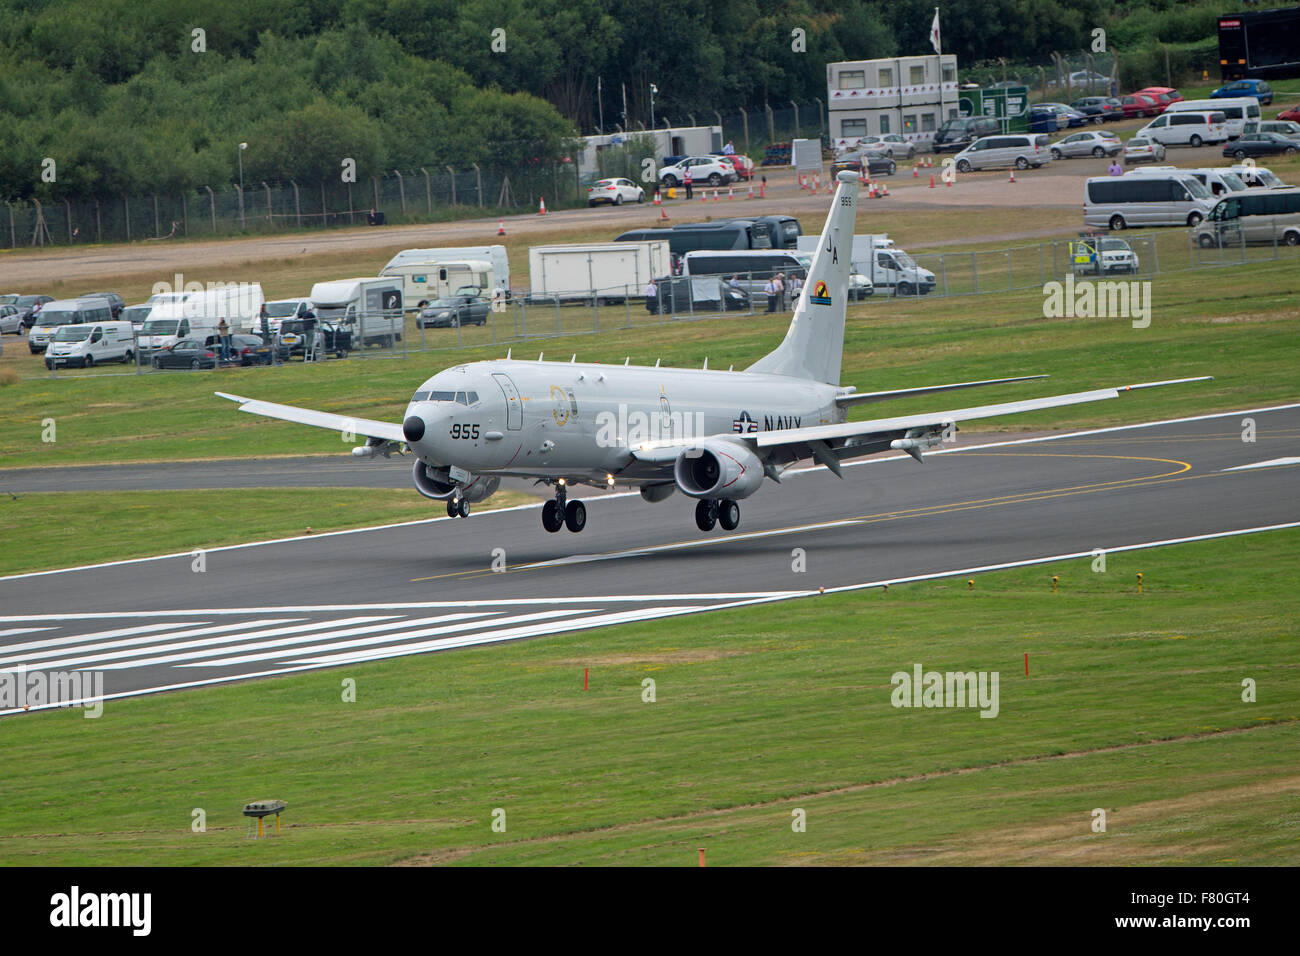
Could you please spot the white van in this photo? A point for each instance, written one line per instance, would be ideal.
(1258, 176)
(1145, 199)
(1187, 128)
(276, 311)
(61, 312)
(1220, 182)
(369, 307)
(1020, 150)
(1253, 215)
(90, 343)
(197, 314)
(1237, 111)
(882, 264)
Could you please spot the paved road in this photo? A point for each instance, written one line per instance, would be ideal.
(350, 597)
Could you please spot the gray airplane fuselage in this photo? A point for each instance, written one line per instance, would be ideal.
(581, 421)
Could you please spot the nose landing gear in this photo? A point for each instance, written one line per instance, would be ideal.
(724, 512)
(457, 507)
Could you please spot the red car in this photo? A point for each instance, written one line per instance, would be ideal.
(743, 165)
(1292, 114)
(1140, 104)
(1164, 95)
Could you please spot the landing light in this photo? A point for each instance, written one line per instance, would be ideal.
(609, 480)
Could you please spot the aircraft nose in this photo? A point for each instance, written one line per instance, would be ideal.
(413, 428)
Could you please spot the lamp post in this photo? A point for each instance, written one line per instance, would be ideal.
(242, 147)
(653, 90)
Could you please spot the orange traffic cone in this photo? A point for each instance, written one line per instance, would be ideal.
(751, 191)
(1013, 177)
(884, 190)
(704, 195)
(663, 213)
(541, 211)
(932, 180)
(762, 189)
(803, 182)
(730, 194)
(658, 199)
(715, 195)
(501, 227)
(948, 180)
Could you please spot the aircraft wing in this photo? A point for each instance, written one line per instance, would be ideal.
(862, 398)
(915, 433)
(365, 427)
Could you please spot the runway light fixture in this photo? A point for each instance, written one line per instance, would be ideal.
(260, 809)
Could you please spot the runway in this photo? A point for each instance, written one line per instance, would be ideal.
(351, 597)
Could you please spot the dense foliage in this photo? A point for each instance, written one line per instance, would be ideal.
(116, 93)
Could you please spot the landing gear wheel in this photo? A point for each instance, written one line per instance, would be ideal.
(462, 509)
(452, 510)
(552, 516)
(728, 514)
(706, 515)
(575, 516)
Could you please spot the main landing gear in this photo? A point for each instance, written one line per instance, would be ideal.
(724, 512)
(457, 507)
(560, 513)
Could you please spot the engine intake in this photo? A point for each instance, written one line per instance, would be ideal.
(718, 470)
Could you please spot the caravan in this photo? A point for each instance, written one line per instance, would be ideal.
(370, 308)
(429, 274)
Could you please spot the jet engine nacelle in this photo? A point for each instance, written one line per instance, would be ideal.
(718, 469)
(436, 483)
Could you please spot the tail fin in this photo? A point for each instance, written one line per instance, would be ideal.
(815, 340)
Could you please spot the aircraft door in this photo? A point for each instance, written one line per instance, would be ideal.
(514, 407)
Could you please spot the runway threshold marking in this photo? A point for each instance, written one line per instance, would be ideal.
(1275, 463)
(923, 511)
(627, 617)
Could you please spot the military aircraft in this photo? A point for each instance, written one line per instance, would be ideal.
(713, 435)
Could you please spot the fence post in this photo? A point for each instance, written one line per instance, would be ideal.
(821, 109)
(771, 123)
(126, 204)
(270, 215)
(157, 228)
(13, 240)
(975, 272)
(401, 189)
(453, 184)
(797, 133)
(428, 190)
(374, 191)
(324, 206)
(185, 214)
(212, 205)
(99, 222)
(297, 206)
(744, 122)
(478, 180)
(68, 208)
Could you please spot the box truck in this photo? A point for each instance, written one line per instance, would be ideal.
(607, 273)
(198, 314)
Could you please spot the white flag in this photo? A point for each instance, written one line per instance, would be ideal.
(934, 32)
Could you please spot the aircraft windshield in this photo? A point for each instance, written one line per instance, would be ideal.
(461, 398)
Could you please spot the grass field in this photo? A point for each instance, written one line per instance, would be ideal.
(62, 529)
(1133, 704)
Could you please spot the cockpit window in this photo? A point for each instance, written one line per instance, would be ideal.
(461, 399)
(473, 398)
(420, 397)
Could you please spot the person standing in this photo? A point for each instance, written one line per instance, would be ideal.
(686, 181)
(796, 286)
(1115, 168)
(223, 333)
(770, 290)
(780, 290)
(729, 149)
(651, 298)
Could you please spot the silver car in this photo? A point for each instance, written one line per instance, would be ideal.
(1089, 143)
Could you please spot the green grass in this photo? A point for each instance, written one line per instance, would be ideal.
(1236, 324)
(1133, 704)
(63, 529)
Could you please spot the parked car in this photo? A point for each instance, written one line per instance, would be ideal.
(878, 164)
(1042, 120)
(1292, 114)
(29, 306)
(743, 165)
(1288, 128)
(1099, 108)
(1087, 143)
(956, 134)
(704, 169)
(463, 308)
(1139, 150)
(682, 295)
(335, 339)
(1139, 104)
(1164, 95)
(248, 350)
(614, 191)
(116, 302)
(1186, 128)
(1261, 144)
(1071, 116)
(891, 144)
(1097, 254)
(1021, 150)
(1256, 88)
(11, 320)
(187, 353)
(1259, 177)
(1089, 78)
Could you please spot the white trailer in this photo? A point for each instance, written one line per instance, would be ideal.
(609, 272)
(455, 255)
(370, 308)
